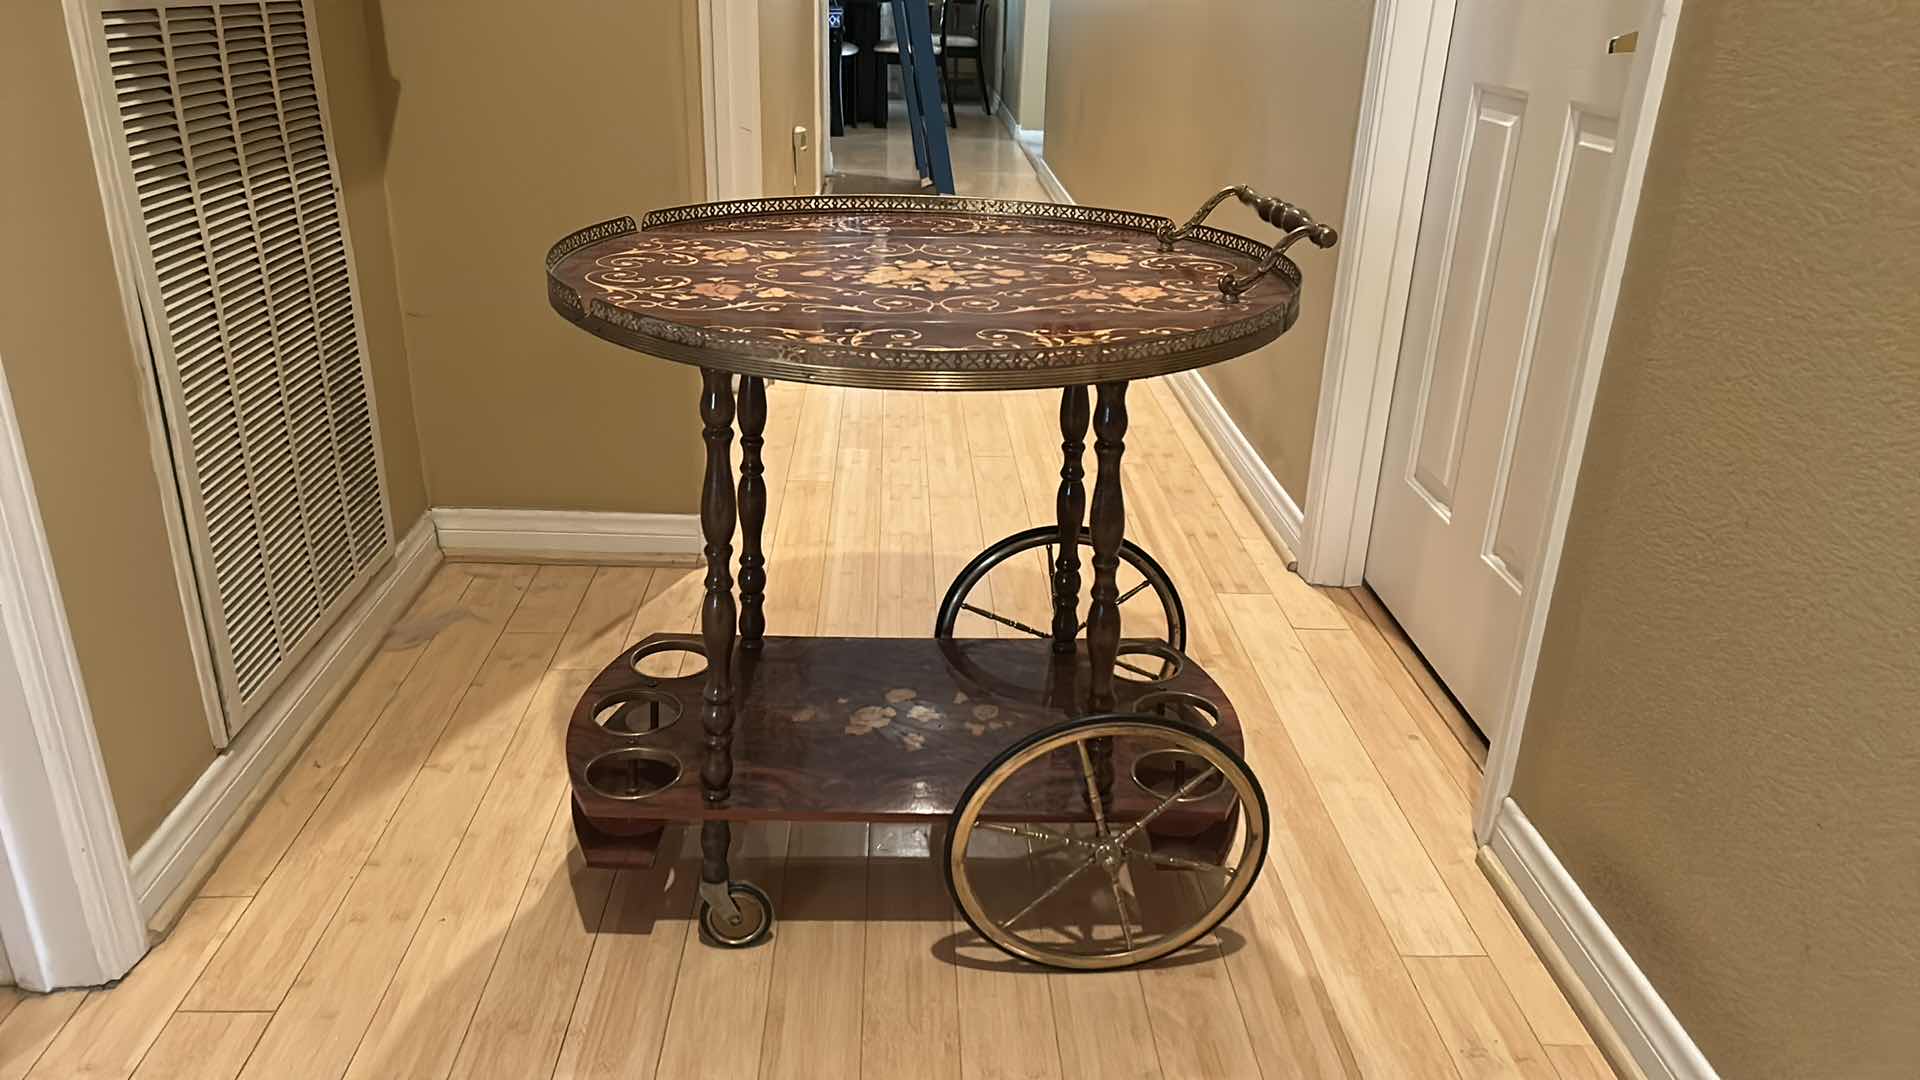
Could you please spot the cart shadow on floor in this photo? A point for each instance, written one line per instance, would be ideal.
(814, 889)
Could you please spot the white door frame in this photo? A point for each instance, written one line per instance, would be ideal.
(1399, 112)
(68, 912)
(730, 97)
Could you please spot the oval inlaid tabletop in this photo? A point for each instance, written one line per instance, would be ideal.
(919, 292)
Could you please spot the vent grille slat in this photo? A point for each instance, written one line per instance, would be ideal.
(253, 311)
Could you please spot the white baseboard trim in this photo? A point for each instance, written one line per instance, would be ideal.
(1278, 515)
(564, 535)
(180, 850)
(1055, 189)
(1631, 1006)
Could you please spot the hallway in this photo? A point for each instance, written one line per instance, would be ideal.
(408, 902)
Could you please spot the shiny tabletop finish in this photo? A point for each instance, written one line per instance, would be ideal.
(925, 293)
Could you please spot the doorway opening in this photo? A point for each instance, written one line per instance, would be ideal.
(986, 55)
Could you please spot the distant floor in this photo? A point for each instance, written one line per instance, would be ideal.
(987, 162)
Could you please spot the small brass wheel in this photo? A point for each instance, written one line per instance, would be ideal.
(754, 923)
(1064, 853)
(1011, 584)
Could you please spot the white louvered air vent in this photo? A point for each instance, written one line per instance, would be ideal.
(230, 179)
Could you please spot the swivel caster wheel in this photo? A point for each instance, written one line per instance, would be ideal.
(750, 921)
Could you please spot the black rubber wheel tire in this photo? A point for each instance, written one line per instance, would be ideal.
(1014, 750)
(1041, 536)
(744, 894)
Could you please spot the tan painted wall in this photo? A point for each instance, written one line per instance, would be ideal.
(1155, 105)
(791, 39)
(506, 128)
(1724, 741)
(77, 389)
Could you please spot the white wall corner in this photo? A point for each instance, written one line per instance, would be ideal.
(181, 852)
(68, 916)
(1646, 1028)
(564, 535)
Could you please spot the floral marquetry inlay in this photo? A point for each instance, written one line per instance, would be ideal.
(940, 293)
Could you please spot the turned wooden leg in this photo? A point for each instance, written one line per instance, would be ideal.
(1109, 525)
(717, 614)
(753, 512)
(1070, 510)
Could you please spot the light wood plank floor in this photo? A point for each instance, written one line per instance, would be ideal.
(409, 902)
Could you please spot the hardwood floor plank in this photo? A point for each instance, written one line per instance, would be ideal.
(1305, 605)
(258, 962)
(1282, 994)
(1009, 1026)
(986, 419)
(203, 1046)
(604, 618)
(548, 605)
(911, 1005)
(719, 1009)
(815, 1000)
(417, 1027)
(1102, 1027)
(33, 1024)
(1402, 880)
(1470, 738)
(112, 1029)
(9, 997)
(1020, 586)
(1380, 1012)
(286, 810)
(521, 1021)
(953, 506)
(1203, 517)
(849, 596)
(1442, 820)
(626, 995)
(670, 606)
(1478, 1019)
(906, 590)
(1455, 744)
(816, 443)
(1581, 1062)
(797, 558)
(1196, 1019)
(327, 1012)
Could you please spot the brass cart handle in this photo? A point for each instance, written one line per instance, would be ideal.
(1296, 223)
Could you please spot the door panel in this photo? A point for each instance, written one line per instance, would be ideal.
(1472, 230)
(1575, 240)
(1519, 203)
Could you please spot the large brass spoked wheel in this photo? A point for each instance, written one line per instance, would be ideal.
(1098, 844)
(1010, 585)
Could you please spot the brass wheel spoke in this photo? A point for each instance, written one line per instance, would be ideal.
(1093, 789)
(1179, 863)
(1033, 832)
(1051, 892)
(1179, 793)
(1120, 908)
(1003, 620)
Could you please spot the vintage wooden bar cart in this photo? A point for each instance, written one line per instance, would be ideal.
(1110, 767)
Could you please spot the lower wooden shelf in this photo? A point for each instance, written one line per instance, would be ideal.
(852, 729)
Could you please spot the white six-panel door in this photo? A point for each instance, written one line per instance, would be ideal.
(1518, 210)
